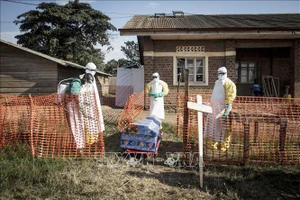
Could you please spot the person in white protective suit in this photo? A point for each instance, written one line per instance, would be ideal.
(157, 89)
(85, 114)
(223, 95)
(90, 106)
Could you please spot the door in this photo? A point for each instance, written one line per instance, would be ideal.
(245, 73)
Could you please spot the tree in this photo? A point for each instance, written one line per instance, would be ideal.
(111, 67)
(68, 32)
(132, 53)
(126, 63)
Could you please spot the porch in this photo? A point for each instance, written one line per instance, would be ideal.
(258, 63)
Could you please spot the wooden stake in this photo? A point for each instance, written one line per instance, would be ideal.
(200, 108)
(200, 140)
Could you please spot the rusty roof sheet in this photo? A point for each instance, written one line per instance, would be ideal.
(239, 21)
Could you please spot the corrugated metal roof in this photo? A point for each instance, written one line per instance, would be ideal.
(59, 61)
(240, 21)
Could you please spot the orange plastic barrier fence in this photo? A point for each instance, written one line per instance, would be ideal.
(53, 125)
(258, 130)
(261, 129)
(14, 119)
(133, 107)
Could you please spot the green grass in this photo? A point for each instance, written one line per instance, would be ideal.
(25, 177)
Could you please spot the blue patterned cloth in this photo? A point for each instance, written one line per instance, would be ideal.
(138, 142)
(148, 126)
(147, 136)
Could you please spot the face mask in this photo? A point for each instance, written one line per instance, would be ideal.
(88, 78)
(93, 72)
(155, 78)
(221, 77)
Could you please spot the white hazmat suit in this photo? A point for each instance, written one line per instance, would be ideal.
(85, 114)
(157, 89)
(223, 95)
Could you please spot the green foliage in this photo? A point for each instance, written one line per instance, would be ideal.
(126, 63)
(67, 32)
(131, 51)
(111, 67)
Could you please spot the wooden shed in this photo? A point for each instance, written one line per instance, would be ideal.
(24, 71)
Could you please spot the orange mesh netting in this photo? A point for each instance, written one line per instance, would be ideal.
(14, 119)
(258, 130)
(53, 125)
(261, 129)
(133, 107)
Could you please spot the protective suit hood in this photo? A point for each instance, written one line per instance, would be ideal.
(155, 76)
(222, 73)
(91, 68)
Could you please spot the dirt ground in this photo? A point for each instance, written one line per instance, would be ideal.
(169, 117)
(114, 114)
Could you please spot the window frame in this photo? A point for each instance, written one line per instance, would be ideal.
(238, 73)
(195, 57)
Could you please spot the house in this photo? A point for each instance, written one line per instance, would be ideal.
(24, 71)
(251, 46)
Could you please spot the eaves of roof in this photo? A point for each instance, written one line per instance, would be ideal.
(178, 30)
(59, 61)
(204, 23)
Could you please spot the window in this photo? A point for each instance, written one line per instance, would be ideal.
(196, 69)
(245, 72)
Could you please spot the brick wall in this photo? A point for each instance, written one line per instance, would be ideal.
(262, 43)
(170, 45)
(214, 63)
(296, 69)
(148, 44)
(164, 65)
(230, 45)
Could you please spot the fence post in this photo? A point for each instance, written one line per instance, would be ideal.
(177, 104)
(246, 142)
(255, 131)
(186, 115)
(282, 137)
(31, 125)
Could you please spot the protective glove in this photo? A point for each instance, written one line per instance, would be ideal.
(151, 94)
(228, 108)
(160, 94)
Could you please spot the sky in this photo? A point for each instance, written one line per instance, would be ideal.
(121, 11)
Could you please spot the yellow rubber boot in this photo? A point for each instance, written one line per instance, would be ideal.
(209, 142)
(223, 146)
(228, 141)
(216, 145)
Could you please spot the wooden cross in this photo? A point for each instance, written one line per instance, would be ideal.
(206, 109)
